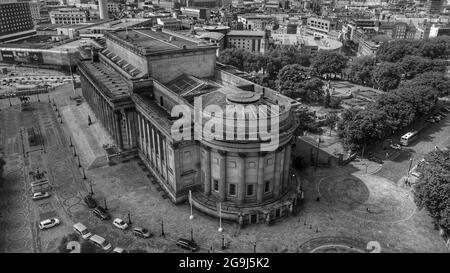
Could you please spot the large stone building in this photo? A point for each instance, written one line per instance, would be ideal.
(133, 86)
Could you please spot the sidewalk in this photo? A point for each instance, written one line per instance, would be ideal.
(88, 140)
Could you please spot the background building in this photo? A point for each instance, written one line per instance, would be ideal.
(16, 21)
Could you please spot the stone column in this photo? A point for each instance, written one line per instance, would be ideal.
(223, 176)
(207, 169)
(119, 131)
(260, 187)
(241, 184)
(277, 173)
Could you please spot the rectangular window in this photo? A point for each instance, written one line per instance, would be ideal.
(216, 185)
(252, 164)
(269, 161)
(232, 189)
(250, 190)
(266, 186)
(232, 164)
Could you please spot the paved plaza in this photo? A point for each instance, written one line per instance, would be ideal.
(346, 209)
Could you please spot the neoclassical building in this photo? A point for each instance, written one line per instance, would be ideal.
(135, 82)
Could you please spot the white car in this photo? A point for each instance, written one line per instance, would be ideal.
(395, 146)
(119, 250)
(49, 223)
(119, 223)
(40, 195)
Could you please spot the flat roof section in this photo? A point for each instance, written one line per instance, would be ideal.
(155, 41)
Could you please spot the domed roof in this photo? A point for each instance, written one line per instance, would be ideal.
(244, 97)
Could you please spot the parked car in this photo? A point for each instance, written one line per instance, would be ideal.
(441, 114)
(395, 146)
(90, 201)
(187, 244)
(431, 120)
(100, 242)
(49, 223)
(119, 223)
(375, 159)
(38, 183)
(142, 232)
(101, 214)
(119, 250)
(40, 195)
(82, 230)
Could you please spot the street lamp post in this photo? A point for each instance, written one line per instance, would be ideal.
(191, 217)
(254, 247)
(9, 98)
(74, 152)
(92, 190)
(409, 169)
(220, 217)
(79, 163)
(192, 234)
(162, 228)
(37, 94)
(70, 140)
(106, 207)
(129, 218)
(317, 155)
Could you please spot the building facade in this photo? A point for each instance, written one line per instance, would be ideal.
(69, 16)
(16, 21)
(253, 41)
(133, 86)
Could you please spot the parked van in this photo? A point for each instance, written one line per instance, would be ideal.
(100, 242)
(82, 230)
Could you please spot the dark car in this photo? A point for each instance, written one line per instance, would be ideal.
(90, 202)
(100, 213)
(142, 232)
(187, 244)
(375, 159)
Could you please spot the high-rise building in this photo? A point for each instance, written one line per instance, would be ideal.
(16, 21)
(103, 8)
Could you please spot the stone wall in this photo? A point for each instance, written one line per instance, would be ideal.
(165, 68)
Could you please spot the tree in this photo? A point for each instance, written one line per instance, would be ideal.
(328, 62)
(399, 113)
(414, 65)
(432, 189)
(307, 121)
(331, 120)
(386, 76)
(327, 99)
(438, 81)
(313, 89)
(360, 70)
(438, 47)
(395, 50)
(234, 57)
(421, 98)
(291, 78)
